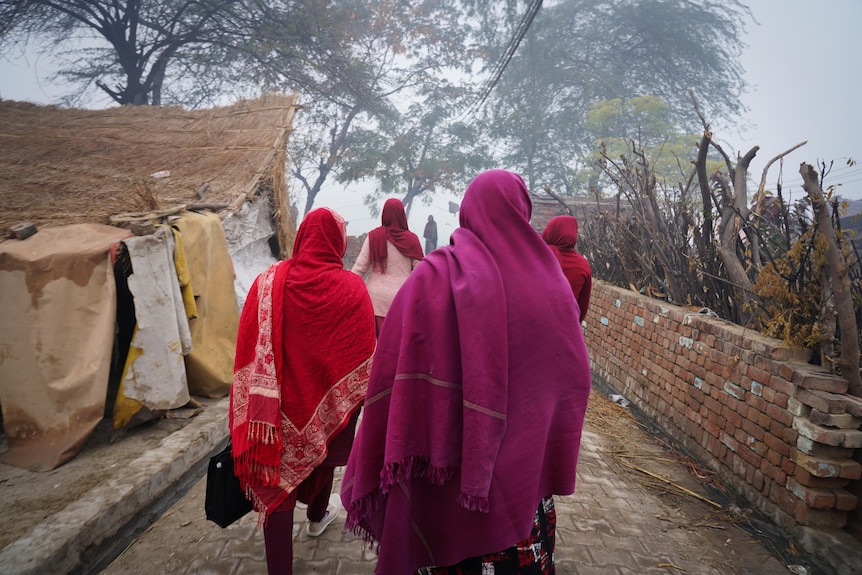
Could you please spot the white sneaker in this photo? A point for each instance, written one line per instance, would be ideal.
(316, 528)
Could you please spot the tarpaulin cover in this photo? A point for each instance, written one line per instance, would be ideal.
(56, 337)
(209, 366)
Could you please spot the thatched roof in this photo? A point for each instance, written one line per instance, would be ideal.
(61, 166)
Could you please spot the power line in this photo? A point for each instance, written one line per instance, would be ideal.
(511, 48)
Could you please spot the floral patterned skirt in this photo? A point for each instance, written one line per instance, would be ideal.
(532, 556)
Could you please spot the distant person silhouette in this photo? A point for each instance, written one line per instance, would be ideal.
(430, 235)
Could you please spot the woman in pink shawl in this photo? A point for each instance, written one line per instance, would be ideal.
(388, 255)
(474, 410)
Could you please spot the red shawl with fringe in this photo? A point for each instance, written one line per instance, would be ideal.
(477, 396)
(303, 357)
(394, 229)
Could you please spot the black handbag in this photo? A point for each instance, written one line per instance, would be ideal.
(225, 500)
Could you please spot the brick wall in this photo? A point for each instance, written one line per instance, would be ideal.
(354, 246)
(779, 430)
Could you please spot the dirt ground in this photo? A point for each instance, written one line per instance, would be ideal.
(29, 497)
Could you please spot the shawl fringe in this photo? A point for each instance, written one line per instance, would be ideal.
(414, 467)
(474, 503)
(362, 508)
(262, 432)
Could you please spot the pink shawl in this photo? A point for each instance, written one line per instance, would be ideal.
(477, 394)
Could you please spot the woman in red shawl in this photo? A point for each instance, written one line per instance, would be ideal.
(303, 356)
(561, 235)
(388, 255)
(474, 410)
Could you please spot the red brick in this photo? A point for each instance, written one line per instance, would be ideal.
(776, 444)
(783, 385)
(854, 405)
(822, 400)
(805, 478)
(790, 435)
(785, 371)
(779, 414)
(756, 402)
(823, 381)
(845, 501)
(785, 499)
(753, 429)
(759, 375)
(820, 517)
(822, 467)
(812, 496)
(838, 420)
(731, 443)
(773, 457)
(818, 433)
(751, 457)
(733, 419)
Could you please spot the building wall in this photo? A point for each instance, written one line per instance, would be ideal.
(780, 431)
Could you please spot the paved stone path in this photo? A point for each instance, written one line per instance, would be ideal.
(621, 520)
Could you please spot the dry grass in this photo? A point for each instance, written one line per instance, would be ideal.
(60, 166)
(625, 445)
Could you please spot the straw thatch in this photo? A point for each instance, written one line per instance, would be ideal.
(61, 166)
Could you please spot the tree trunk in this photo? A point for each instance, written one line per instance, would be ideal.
(845, 311)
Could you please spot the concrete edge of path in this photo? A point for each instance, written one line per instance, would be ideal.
(84, 536)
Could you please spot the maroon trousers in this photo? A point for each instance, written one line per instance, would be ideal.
(278, 531)
(314, 492)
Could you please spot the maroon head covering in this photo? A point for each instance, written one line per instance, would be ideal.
(394, 229)
(477, 394)
(561, 235)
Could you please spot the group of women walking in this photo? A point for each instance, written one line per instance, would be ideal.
(473, 390)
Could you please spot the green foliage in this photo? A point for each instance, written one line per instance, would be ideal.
(642, 123)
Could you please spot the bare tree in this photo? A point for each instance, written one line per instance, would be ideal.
(141, 40)
(838, 282)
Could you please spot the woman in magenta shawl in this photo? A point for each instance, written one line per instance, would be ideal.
(474, 410)
(561, 234)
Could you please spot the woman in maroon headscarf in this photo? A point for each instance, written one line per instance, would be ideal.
(474, 410)
(388, 255)
(303, 356)
(561, 235)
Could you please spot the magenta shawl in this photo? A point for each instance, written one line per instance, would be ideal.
(477, 394)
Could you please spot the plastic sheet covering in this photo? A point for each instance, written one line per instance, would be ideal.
(210, 364)
(248, 232)
(155, 374)
(56, 336)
